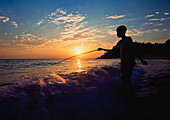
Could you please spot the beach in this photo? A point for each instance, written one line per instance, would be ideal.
(82, 89)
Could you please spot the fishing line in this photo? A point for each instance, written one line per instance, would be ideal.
(72, 57)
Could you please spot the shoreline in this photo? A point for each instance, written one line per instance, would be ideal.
(158, 58)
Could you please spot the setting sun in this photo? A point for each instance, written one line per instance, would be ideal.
(78, 50)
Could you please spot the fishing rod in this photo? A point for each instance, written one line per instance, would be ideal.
(73, 57)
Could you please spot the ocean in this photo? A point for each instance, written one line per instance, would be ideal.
(86, 89)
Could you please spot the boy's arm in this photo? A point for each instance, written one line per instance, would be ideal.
(114, 47)
(142, 61)
(104, 49)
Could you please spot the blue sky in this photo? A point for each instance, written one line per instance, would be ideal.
(60, 24)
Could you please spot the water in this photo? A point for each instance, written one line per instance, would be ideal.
(13, 70)
(77, 88)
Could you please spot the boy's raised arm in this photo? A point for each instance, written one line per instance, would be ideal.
(104, 49)
(114, 47)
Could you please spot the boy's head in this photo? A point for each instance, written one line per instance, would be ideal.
(121, 30)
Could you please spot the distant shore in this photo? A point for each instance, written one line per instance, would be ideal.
(158, 57)
(145, 50)
(146, 57)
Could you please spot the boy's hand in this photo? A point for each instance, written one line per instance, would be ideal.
(100, 49)
(144, 63)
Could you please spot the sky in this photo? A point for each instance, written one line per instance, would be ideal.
(48, 29)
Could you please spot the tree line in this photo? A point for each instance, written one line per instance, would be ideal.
(146, 50)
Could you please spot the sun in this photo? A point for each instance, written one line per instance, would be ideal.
(78, 50)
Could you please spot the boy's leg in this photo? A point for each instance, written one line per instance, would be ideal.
(126, 78)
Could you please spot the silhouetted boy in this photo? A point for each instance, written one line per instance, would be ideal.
(127, 55)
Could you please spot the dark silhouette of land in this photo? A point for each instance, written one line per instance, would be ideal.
(146, 50)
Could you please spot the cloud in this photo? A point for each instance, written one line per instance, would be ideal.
(157, 12)
(116, 16)
(71, 26)
(163, 30)
(149, 16)
(159, 19)
(150, 23)
(5, 45)
(126, 20)
(16, 37)
(60, 16)
(155, 30)
(111, 26)
(82, 34)
(74, 26)
(158, 24)
(58, 11)
(135, 32)
(14, 23)
(75, 37)
(4, 19)
(166, 13)
(163, 19)
(68, 19)
(29, 40)
(156, 19)
(40, 22)
(111, 32)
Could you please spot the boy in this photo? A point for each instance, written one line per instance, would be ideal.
(127, 56)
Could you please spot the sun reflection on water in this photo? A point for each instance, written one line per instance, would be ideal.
(79, 65)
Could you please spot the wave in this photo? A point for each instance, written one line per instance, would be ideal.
(90, 94)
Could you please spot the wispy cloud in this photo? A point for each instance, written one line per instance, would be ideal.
(14, 23)
(67, 19)
(111, 32)
(75, 37)
(60, 16)
(16, 37)
(155, 30)
(29, 40)
(7, 19)
(166, 13)
(40, 22)
(155, 19)
(159, 19)
(57, 12)
(153, 24)
(126, 20)
(159, 24)
(147, 16)
(116, 16)
(163, 19)
(148, 23)
(157, 12)
(73, 25)
(110, 26)
(135, 32)
(4, 19)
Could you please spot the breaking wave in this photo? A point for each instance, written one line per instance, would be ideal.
(90, 94)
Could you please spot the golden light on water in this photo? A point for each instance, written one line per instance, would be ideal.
(79, 65)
